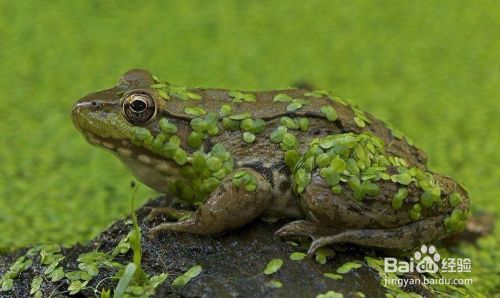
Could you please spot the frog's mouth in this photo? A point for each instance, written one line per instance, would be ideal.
(122, 147)
(126, 149)
(147, 167)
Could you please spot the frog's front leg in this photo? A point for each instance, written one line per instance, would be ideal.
(240, 198)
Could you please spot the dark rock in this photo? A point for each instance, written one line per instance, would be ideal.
(232, 264)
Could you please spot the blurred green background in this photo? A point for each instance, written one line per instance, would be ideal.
(429, 67)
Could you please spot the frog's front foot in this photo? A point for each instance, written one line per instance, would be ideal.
(239, 199)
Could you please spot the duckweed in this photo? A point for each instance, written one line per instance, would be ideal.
(348, 266)
(415, 212)
(248, 137)
(397, 199)
(330, 294)
(241, 97)
(333, 275)
(296, 104)
(297, 256)
(195, 111)
(245, 179)
(275, 284)
(166, 126)
(455, 199)
(329, 113)
(289, 122)
(282, 98)
(426, 199)
(182, 93)
(273, 266)
(254, 126)
(404, 179)
(291, 158)
(195, 139)
(225, 110)
(278, 134)
(456, 221)
(322, 254)
(303, 123)
(289, 141)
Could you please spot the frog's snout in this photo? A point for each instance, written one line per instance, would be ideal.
(79, 107)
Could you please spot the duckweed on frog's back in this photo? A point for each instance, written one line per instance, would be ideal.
(341, 174)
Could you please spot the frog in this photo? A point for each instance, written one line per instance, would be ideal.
(335, 174)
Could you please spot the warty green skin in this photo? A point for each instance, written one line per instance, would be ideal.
(256, 181)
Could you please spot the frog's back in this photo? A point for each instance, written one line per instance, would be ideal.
(272, 106)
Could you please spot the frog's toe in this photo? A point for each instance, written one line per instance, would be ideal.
(297, 228)
(304, 228)
(168, 212)
(188, 226)
(318, 243)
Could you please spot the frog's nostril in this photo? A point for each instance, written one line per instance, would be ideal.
(82, 106)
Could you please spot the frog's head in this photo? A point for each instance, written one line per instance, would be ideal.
(116, 117)
(109, 115)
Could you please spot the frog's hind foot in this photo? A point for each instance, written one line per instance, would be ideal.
(298, 228)
(306, 229)
(400, 239)
(169, 212)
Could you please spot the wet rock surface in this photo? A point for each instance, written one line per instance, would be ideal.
(232, 264)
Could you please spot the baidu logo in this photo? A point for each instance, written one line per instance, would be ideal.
(427, 260)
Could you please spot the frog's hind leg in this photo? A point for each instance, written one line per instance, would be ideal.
(240, 198)
(398, 239)
(304, 228)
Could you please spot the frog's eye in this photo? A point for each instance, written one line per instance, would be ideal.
(139, 107)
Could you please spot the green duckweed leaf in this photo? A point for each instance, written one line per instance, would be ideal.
(195, 111)
(273, 266)
(346, 267)
(248, 137)
(297, 256)
(323, 253)
(333, 275)
(282, 98)
(330, 294)
(275, 284)
(404, 179)
(455, 199)
(329, 112)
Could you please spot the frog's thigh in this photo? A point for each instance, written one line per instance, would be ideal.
(399, 239)
(227, 208)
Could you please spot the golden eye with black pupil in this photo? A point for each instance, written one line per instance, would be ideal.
(139, 107)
